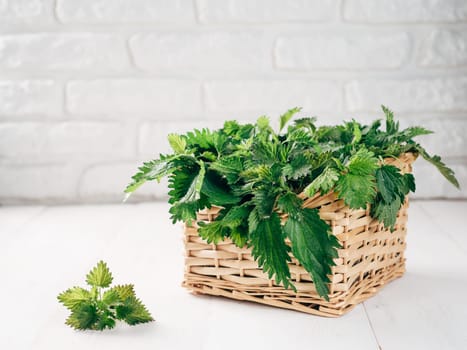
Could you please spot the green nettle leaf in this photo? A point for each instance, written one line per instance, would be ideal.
(357, 186)
(298, 167)
(323, 183)
(236, 216)
(391, 126)
(363, 162)
(212, 232)
(111, 296)
(97, 309)
(231, 127)
(153, 170)
(239, 236)
(229, 167)
(184, 211)
(356, 190)
(233, 225)
(289, 203)
(386, 212)
(217, 191)
(105, 320)
(390, 183)
(270, 250)
(253, 220)
(194, 191)
(254, 173)
(313, 246)
(207, 155)
(414, 131)
(124, 291)
(133, 312)
(357, 133)
(392, 189)
(180, 182)
(409, 183)
(298, 137)
(442, 168)
(200, 140)
(73, 297)
(265, 153)
(100, 276)
(177, 143)
(308, 123)
(263, 123)
(264, 199)
(284, 118)
(83, 316)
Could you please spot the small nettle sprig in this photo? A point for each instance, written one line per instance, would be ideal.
(98, 309)
(255, 174)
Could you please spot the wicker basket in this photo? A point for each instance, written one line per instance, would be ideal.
(370, 257)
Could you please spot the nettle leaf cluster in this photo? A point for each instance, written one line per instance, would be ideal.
(97, 309)
(256, 174)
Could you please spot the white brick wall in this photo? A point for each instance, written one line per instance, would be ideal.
(408, 95)
(33, 12)
(63, 52)
(30, 98)
(264, 11)
(202, 51)
(349, 50)
(77, 138)
(408, 11)
(132, 97)
(444, 48)
(259, 96)
(90, 88)
(125, 11)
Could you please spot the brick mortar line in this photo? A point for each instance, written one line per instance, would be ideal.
(174, 27)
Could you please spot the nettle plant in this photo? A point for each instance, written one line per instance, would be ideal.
(256, 175)
(99, 309)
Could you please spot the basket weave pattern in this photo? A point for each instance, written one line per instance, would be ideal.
(370, 257)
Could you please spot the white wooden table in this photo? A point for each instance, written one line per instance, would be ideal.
(45, 250)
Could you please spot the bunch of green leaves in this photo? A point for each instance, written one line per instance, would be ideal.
(98, 309)
(257, 174)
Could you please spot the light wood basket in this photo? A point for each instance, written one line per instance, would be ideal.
(370, 257)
